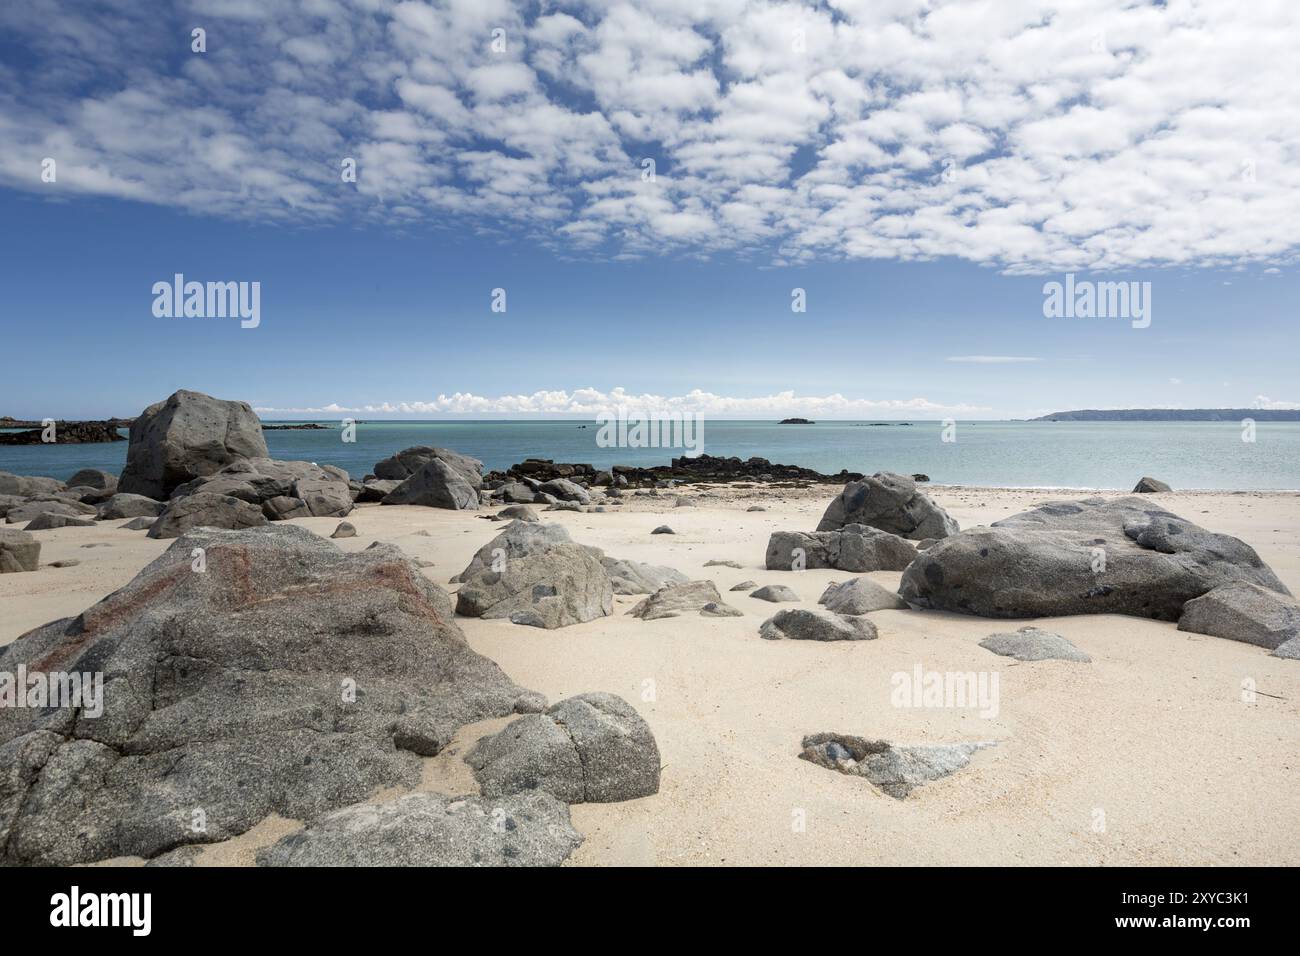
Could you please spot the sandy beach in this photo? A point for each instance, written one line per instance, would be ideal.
(1151, 754)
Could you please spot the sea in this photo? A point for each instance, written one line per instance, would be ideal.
(1088, 455)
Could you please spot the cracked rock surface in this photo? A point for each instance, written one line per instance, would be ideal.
(592, 748)
(896, 770)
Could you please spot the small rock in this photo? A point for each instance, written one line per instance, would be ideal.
(798, 624)
(663, 529)
(776, 593)
(1031, 644)
(344, 530)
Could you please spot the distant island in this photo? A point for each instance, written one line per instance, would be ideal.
(1173, 415)
(312, 426)
(796, 421)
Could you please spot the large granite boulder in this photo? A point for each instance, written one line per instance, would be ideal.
(430, 829)
(184, 437)
(801, 624)
(1243, 612)
(312, 490)
(1148, 485)
(205, 510)
(555, 587)
(406, 463)
(1125, 556)
(129, 506)
(279, 675)
(518, 539)
(891, 503)
(673, 600)
(26, 486)
(854, 547)
(33, 508)
(93, 478)
(593, 748)
(859, 596)
(436, 485)
(19, 551)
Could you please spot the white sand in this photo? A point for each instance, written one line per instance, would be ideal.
(1154, 734)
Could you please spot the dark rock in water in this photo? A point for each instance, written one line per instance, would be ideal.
(1031, 644)
(19, 551)
(66, 433)
(699, 468)
(1151, 485)
(593, 748)
(854, 547)
(663, 529)
(1126, 556)
(1243, 612)
(272, 681)
(436, 484)
(796, 421)
(129, 506)
(204, 510)
(672, 600)
(776, 593)
(48, 520)
(798, 624)
(859, 596)
(93, 478)
(891, 503)
(896, 770)
(430, 829)
(186, 436)
(27, 486)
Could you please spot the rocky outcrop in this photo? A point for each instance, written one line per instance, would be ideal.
(282, 489)
(48, 520)
(19, 551)
(1032, 644)
(65, 433)
(27, 486)
(859, 596)
(186, 436)
(33, 508)
(129, 506)
(516, 540)
(1125, 556)
(430, 829)
(895, 770)
(673, 600)
(406, 463)
(555, 587)
(891, 503)
(284, 677)
(799, 624)
(1243, 612)
(701, 468)
(205, 510)
(854, 547)
(593, 748)
(436, 484)
(1150, 486)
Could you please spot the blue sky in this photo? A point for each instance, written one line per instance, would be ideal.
(522, 172)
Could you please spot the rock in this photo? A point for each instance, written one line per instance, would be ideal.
(565, 490)
(593, 748)
(324, 499)
(565, 506)
(896, 770)
(283, 508)
(755, 508)
(776, 593)
(633, 577)
(1243, 612)
(516, 492)
(891, 503)
(129, 506)
(186, 436)
(377, 490)
(1289, 650)
(859, 596)
(516, 513)
(1151, 485)
(10, 501)
(562, 585)
(1031, 644)
(797, 624)
(925, 544)
(204, 510)
(142, 523)
(718, 609)
(430, 829)
(405, 464)
(856, 548)
(436, 485)
(35, 507)
(49, 520)
(93, 478)
(683, 503)
(65, 563)
(716, 563)
(920, 478)
(517, 540)
(663, 529)
(27, 486)
(672, 600)
(270, 682)
(1149, 563)
(344, 530)
(744, 586)
(19, 551)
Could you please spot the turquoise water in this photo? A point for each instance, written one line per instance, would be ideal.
(1023, 454)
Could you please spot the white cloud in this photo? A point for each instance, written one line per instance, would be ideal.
(590, 402)
(1039, 136)
(1264, 402)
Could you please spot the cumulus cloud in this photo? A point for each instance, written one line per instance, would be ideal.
(1030, 137)
(591, 402)
(1264, 402)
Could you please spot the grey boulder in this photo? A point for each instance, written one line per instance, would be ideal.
(1243, 612)
(1032, 644)
(891, 503)
(204, 510)
(1148, 485)
(19, 551)
(93, 478)
(48, 520)
(565, 490)
(26, 486)
(406, 463)
(35, 507)
(345, 530)
(854, 547)
(556, 587)
(859, 596)
(634, 577)
(593, 748)
(895, 770)
(799, 624)
(517, 540)
(129, 506)
(436, 484)
(776, 593)
(672, 600)
(516, 512)
(186, 436)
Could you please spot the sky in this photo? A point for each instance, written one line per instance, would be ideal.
(651, 186)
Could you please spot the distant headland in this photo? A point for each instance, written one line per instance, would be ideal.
(1173, 415)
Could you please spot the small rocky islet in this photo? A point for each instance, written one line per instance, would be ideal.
(282, 619)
